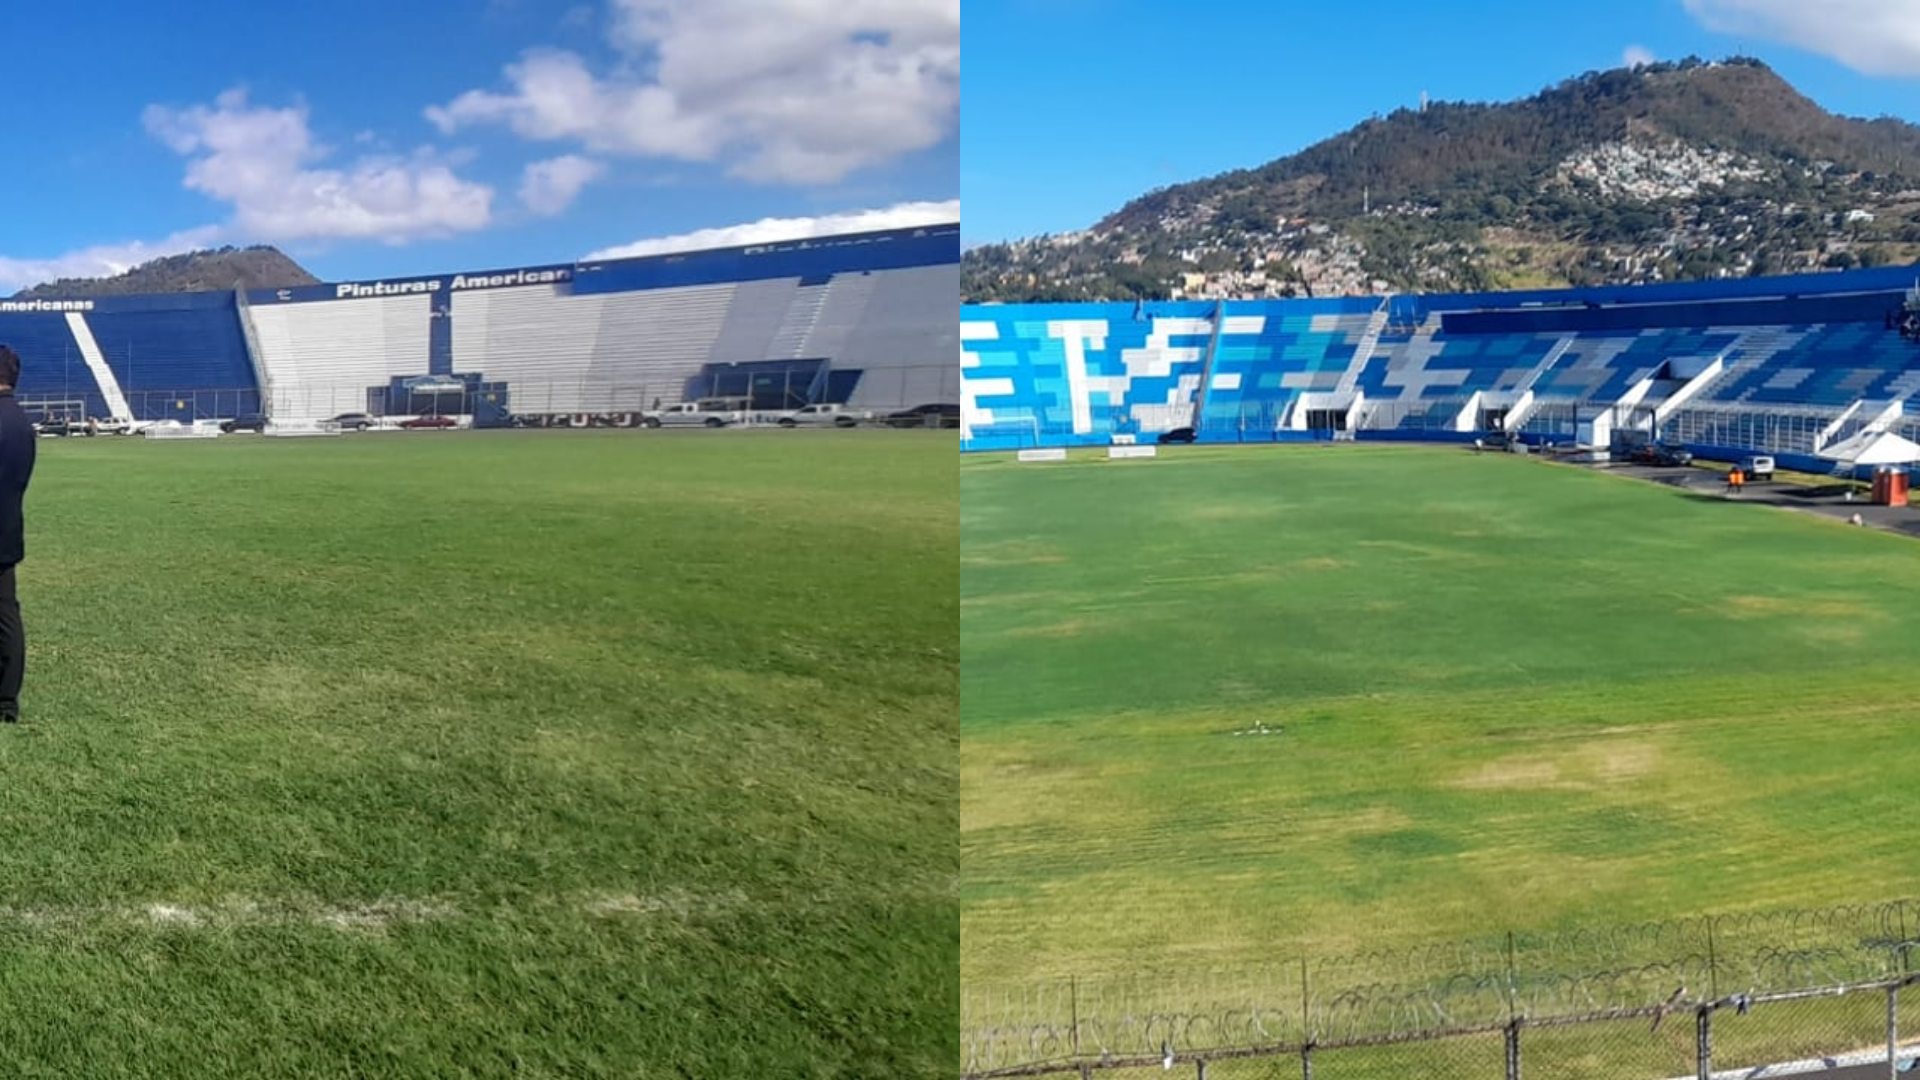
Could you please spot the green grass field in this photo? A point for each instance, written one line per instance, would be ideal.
(543, 754)
(1509, 695)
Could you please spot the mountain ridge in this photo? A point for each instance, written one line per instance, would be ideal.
(1669, 171)
(260, 266)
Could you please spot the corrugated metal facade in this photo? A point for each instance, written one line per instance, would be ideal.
(878, 310)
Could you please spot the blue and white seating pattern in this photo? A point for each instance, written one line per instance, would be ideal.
(1085, 373)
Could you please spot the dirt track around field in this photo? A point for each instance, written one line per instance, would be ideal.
(1826, 499)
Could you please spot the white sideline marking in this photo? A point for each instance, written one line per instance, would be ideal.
(366, 915)
(680, 905)
(372, 914)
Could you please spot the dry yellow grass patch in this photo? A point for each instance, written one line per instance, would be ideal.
(1065, 628)
(1588, 766)
(1810, 607)
(1011, 553)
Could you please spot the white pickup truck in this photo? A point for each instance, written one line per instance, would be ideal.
(709, 413)
(821, 415)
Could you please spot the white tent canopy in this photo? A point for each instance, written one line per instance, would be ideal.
(1874, 448)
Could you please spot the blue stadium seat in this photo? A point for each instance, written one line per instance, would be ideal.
(1811, 342)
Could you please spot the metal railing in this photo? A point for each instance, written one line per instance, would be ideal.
(1776, 429)
(1766, 428)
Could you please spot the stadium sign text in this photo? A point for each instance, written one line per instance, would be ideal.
(45, 305)
(457, 282)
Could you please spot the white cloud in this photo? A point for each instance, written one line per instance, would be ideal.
(792, 91)
(1875, 37)
(1634, 56)
(549, 187)
(265, 163)
(101, 260)
(766, 230)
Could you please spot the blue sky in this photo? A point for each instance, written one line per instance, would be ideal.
(374, 139)
(1074, 106)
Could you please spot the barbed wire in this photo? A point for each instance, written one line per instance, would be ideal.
(1439, 988)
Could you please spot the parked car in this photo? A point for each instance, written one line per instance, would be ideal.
(353, 421)
(249, 422)
(819, 415)
(418, 422)
(1495, 440)
(939, 415)
(1177, 435)
(1757, 466)
(54, 426)
(711, 414)
(1665, 454)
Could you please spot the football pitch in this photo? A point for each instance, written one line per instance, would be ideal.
(434, 754)
(1474, 694)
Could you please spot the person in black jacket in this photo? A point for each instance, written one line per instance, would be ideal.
(16, 469)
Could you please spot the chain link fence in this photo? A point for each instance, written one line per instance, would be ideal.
(877, 392)
(1820, 993)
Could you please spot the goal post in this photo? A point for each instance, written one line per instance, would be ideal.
(72, 410)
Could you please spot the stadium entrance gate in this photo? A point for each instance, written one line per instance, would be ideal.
(1326, 419)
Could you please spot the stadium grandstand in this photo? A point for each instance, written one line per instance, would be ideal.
(865, 320)
(1793, 366)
